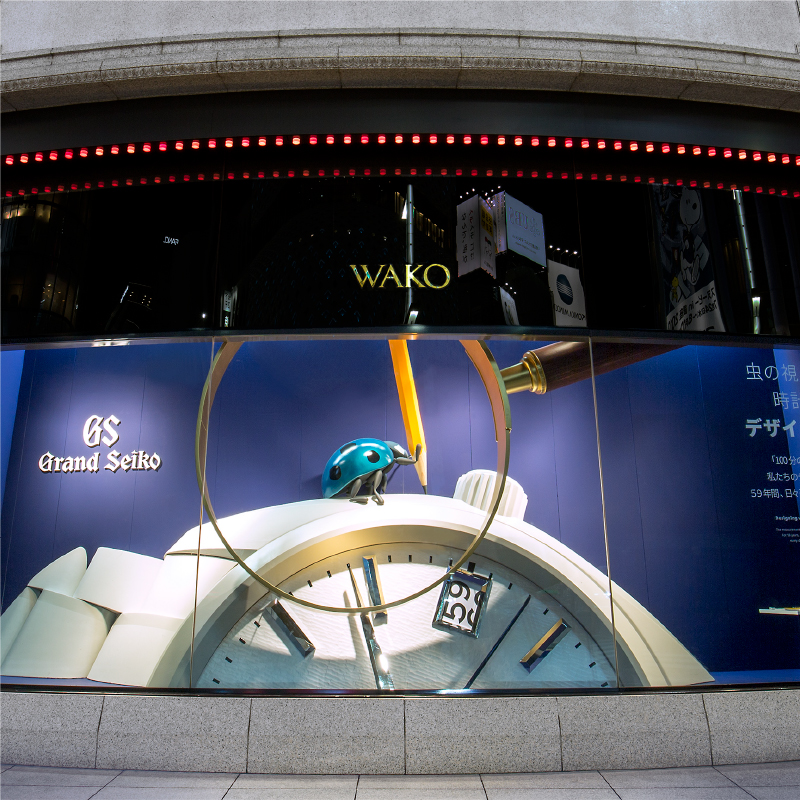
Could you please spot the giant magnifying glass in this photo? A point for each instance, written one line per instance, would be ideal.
(487, 368)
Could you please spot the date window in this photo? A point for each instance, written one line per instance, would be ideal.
(462, 602)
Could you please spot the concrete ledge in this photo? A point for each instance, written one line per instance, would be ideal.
(634, 731)
(191, 734)
(761, 726)
(393, 735)
(341, 736)
(50, 730)
(400, 58)
(504, 734)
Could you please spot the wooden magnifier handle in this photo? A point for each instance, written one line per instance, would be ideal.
(564, 363)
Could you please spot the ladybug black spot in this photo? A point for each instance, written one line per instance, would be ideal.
(372, 456)
(336, 473)
(347, 448)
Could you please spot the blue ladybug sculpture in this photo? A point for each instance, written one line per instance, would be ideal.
(363, 462)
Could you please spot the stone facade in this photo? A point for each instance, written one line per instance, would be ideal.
(726, 52)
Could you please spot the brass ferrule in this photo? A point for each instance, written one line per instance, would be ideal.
(528, 375)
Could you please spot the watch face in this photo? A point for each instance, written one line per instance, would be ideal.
(426, 643)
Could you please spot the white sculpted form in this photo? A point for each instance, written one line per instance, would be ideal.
(137, 612)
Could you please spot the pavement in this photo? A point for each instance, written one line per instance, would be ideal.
(778, 781)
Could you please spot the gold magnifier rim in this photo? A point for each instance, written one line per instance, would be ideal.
(480, 355)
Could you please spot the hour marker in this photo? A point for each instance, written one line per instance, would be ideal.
(592, 664)
(373, 580)
(409, 558)
(471, 566)
(215, 680)
(430, 559)
(510, 585)
(545, 611)
(577, 645)
(256, 623)
(544, 646)
(242, 640)
(329, 573)
(602, 685)
(451, 562)
(230, 661)
(291, 629)
(390, 559)
(310, 584)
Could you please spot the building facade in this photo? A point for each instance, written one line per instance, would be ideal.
(375, 363)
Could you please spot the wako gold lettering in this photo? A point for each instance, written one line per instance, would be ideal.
(446, 276)
(410, 275)
(364, 277)
(390, 273)
(367, 277)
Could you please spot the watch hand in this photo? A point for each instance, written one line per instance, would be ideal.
(380, 664)
(497, 644)
(374, 589)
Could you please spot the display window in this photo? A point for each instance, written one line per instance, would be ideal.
(401, 412)
(401, 513)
